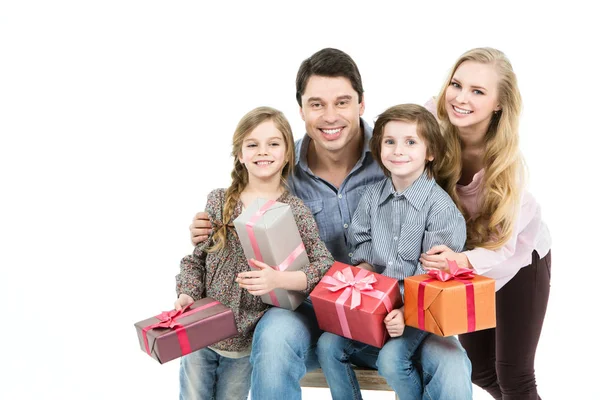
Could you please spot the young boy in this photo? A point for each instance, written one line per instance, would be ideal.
(396, 220)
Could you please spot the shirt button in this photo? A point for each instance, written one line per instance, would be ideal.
(340, 195)
(349, 254)
(346, 226)
(390, 262)
(395, 237)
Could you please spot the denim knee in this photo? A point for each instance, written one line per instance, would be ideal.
(393, 358)
(332, 347)
(280, 332)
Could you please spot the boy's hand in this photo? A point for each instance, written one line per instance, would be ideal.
(364, 265)
(200, 228)
(259, 282)
(394, 322)
(183, 301)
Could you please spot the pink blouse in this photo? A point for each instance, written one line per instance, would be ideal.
(530, 233)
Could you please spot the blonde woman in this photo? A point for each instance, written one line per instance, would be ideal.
(478, 109)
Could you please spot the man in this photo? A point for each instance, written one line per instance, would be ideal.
(333, 167)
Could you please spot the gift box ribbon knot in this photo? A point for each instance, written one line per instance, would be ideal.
(353, 286)
(168, 319)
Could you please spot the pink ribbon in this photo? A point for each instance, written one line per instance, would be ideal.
(168, 319)
(256, 249)
(354, 286)
(455, 273)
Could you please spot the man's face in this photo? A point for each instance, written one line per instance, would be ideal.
(331, 111)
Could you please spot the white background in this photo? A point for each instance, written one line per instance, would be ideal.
(116, 119)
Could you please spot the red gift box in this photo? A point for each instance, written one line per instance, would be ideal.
(173, 334)
(353, 302)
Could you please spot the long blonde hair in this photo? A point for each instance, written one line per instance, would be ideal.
(502, 161)
(239, 175)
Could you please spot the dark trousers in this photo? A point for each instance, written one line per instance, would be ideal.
(503, 357)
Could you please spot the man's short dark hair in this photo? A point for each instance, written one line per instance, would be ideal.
(329, 63)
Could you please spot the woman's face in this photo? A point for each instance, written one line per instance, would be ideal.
(472, 96)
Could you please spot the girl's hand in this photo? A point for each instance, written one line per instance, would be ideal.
(436, 258)
(394, 322)
(183, 301)
(259, 282)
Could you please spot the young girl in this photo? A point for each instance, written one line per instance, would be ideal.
(396, 220)
(479, 109)
(264, 156)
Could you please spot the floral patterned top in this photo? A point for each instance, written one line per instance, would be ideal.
(213, 275)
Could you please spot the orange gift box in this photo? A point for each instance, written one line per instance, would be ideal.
(460, 302)
(353, 302)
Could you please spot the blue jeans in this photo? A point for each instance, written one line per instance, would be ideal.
(205, 375)
(283, 350)
(394, 362)
(417, 365)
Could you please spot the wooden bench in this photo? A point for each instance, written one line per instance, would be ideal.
(368, 379)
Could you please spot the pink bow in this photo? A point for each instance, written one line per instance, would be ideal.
(167, 318)
(456, 272)
(346, 279)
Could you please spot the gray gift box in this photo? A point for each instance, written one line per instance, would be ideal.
(271, 227)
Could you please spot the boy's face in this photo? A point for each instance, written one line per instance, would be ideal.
(331, 112)
(403, 152)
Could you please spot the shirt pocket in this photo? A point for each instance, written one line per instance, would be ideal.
(316, 208)
(410, 243)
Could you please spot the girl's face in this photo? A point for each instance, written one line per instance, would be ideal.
(264, 151)
(472, 96)
(403, 153)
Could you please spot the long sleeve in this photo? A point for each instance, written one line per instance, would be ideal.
(191, 279)
(445, 227)
(320, 259)
(359, 233)
(506, 261)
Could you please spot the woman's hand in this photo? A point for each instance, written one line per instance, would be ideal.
(436, 258)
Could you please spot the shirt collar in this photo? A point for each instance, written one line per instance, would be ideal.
(302, 149)
(414, 193)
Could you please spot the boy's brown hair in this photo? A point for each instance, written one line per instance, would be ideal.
(428, 130)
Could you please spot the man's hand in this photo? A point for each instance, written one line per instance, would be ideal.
(200, 228)
(259, 282)
(394, 322)
(183, 301)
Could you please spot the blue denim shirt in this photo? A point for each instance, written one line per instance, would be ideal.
(333, 208)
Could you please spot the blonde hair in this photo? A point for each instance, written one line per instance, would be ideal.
(239, 175)
(502, 161)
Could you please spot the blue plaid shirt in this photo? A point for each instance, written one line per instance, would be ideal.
(332, 207)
